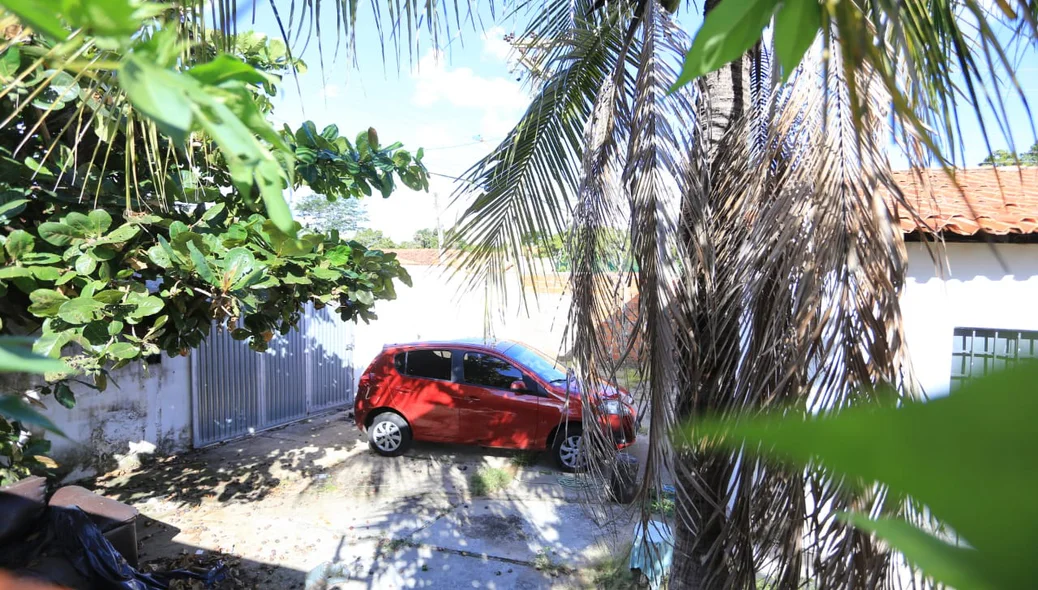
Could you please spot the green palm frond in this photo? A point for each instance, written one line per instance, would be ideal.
(526, 185)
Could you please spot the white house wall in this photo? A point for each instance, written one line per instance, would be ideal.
(976, 293)
(149, 410)
(437, 307)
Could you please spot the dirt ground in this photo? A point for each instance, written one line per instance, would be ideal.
(312, 499)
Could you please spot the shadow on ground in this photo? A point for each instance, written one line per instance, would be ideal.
(160, 552)
(312, 495)
(245, 470)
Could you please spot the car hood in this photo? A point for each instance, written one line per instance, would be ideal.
(600, 392)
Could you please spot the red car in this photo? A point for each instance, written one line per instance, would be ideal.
(497, 394)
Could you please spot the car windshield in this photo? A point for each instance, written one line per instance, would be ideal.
(546, 367)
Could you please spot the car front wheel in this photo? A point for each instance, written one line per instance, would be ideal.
(569, 449)
(389, 434)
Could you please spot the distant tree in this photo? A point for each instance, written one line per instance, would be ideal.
(374, 238)
(1008, 158)
(425, 238)
(343, 214)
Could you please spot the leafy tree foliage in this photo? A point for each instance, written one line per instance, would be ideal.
(423, 238)
(374, 238)
(1007, 158)
(320, 212)
(137, 210)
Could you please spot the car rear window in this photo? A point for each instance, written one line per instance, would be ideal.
(428, 364)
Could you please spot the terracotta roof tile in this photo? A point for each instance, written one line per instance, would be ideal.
(418, 256)
(994, 201)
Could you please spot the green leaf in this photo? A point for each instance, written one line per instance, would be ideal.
(19, 243)
(45, 273)
(728, 31)
(123, 233)
(63, 394)
(213, 212)
(61, 88)
(40, 258)
(235, 235)
(58, 234)
(285, 244)
(45, 302)
(326, 274)
(958, 455)
(291, 279)
(39, 16)
(225, 68)
(796, 26)
(85, 265)
(10, 209)
(159, 256)
(84, 225)
(97, 333)
(110, 296)
(100, 253)
(363, 297)
(15, 409)
(109, 18)
(956, 566)
(122, 350)
(10, 63)
(12, 272)
(100, 219)
(201, 264)
(147, 306)
(183, 240)
(176, 228)
(50, 344)
(16, 357)
(159, 94)
(80, 310)
(236, 264)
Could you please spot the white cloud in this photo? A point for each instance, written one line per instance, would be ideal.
(495, 46)
(331, 91)
(462, 87)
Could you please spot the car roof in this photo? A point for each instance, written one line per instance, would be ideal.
(491, 343)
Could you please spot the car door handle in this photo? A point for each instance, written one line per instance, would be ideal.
(471, 398)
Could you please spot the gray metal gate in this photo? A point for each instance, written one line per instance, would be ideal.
(237, 391)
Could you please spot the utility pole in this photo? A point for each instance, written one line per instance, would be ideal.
(439, 227)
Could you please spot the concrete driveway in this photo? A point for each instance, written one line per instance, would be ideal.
(312, 498)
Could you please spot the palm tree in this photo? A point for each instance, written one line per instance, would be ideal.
(769, 266)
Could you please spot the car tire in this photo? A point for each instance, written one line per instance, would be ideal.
(389, 434)
(568, 440)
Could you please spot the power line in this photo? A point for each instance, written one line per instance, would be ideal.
(460, 145)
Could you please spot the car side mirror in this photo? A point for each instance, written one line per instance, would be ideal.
(518, 386)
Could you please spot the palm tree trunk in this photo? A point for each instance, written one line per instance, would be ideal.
(702, 477)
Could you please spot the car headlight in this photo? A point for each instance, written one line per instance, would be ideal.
(611, 407)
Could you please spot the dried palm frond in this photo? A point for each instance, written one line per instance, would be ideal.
(796, 307)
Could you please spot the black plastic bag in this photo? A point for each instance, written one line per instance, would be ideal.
(73, 537)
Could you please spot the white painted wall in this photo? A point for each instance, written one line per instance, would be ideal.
(148, 407)
(438, 307)
(976, 293)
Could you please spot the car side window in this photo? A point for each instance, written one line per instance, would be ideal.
(489, 371)
(427, 364)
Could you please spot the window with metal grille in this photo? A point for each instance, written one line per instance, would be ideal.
(979, 351)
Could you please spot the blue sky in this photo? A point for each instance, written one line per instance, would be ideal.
(457, 104)
(460, 102)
